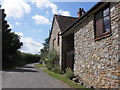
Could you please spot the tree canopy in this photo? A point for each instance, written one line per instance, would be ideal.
(44, 50)
(11, 56)
(10, 41)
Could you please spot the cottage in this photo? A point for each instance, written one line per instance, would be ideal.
(90, 46)
(60, 23)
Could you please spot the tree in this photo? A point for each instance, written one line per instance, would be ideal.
(44, 50)
(46, 43)
(10, 42)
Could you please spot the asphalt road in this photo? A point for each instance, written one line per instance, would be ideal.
(29, 77)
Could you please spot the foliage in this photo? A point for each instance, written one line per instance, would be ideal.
(69, 73)
(44, 51)
(53, 57)
(11, 56)
(39, 65)
(52, 60)
(46, 43)
(49, 67)
(20, 59)
(10, 42)
(57, 70)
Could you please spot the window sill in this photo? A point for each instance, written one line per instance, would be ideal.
(102, 37)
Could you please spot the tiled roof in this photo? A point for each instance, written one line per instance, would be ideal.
(65, 21)
(85, 15)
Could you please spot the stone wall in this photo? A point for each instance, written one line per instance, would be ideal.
(96, 62)
(119, 39)
(54, 36)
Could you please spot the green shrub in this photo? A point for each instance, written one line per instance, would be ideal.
(61, 72)
(54, 70)
(69, 73)
(49, 67)
(57, 70)
(53, 58)
(52, 62)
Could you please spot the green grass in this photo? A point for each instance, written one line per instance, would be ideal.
(39, 65)
(65, 80)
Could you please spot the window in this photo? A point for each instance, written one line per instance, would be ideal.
(58, 37)
(53, 43)
(102, 23)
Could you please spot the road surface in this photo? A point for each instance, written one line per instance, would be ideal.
(29, 77)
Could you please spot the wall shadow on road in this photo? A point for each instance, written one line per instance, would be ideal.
(20, 70)
(28, 67)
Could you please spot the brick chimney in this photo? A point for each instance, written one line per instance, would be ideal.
(80, 12)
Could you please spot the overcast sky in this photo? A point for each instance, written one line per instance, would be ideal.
(32, 19)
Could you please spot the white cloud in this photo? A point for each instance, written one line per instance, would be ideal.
(29, 44)
(40, 19)
(65, 13)
(15, 8)
(48, 4)
(18, 23)
(19, 33)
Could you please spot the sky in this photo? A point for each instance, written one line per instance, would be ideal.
(32, 19)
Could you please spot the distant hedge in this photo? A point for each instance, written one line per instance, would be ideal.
(19, 59)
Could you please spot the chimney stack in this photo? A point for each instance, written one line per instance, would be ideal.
(80, 12)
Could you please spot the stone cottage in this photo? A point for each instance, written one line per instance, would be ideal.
(93, 42)
(59, 24)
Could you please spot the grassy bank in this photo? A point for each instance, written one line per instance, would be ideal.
(39, 65)
(63, 78)
(67, 81)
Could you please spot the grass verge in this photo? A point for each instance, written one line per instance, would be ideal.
(39, 65)
(65, 80)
